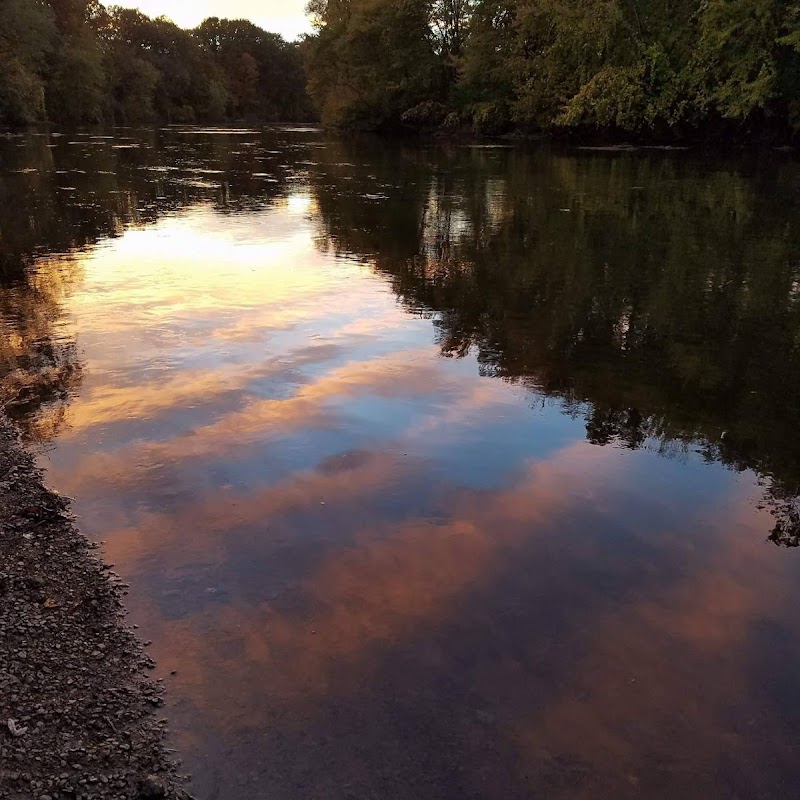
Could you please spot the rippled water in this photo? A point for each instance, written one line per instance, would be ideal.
(437, 472)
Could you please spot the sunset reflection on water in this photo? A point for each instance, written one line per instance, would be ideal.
(379, 572)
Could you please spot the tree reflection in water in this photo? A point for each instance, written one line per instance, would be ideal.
(656, 295)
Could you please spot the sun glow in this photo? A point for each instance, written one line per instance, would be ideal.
(286, 17)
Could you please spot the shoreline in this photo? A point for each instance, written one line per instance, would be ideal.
(579, 138)
(78, 706)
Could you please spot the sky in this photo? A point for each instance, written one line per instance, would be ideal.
(286, 17)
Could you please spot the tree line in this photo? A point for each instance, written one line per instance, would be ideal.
(663, 68)
(77, 62)
(654, 67)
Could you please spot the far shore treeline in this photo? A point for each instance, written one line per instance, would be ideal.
(660, 69)
(78, 62)
(671, 68)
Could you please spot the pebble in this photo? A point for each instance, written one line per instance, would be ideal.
(67, 702)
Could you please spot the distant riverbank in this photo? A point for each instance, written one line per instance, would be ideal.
(716, 70)
(464, 135)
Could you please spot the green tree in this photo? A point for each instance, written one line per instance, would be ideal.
(372, 60)
(132, 78)
(737, 55)
(78, 62)
(27, 34)
(747, 59)
(76, 80)
(262, 73)
(649, 67)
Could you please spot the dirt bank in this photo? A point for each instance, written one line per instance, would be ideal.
(78, 709)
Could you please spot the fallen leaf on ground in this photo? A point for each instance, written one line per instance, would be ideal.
(14, 730)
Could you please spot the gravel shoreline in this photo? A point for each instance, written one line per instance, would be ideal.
(78, 708)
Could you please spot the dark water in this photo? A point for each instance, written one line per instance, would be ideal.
(437, 472)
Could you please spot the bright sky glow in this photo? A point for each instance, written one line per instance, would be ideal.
(286, 17)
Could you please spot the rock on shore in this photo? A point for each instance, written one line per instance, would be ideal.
(78, 709)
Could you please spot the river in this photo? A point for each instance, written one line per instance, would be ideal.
(436, 471)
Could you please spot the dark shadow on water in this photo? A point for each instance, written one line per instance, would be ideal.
(657, 296)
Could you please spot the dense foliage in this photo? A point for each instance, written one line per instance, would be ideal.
(78, 62)
(663, 67)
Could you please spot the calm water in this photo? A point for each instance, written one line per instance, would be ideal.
(437, 473)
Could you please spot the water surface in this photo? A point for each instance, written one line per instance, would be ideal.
(436, 472)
